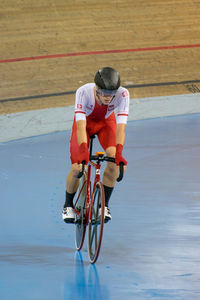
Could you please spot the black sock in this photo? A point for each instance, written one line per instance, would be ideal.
(69, 199)
(108, 191)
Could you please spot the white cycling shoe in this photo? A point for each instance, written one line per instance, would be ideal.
(68, 214)
(107, 215)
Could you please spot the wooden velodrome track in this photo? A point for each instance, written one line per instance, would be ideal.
(48, 48)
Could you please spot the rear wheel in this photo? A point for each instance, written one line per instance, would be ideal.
(79, 207)
(96, 222)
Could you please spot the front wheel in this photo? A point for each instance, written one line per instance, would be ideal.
(96, 222)
(80, 209)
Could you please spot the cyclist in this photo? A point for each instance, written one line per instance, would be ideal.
(94, 114)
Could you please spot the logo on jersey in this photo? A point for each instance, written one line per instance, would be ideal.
(79, 106)
(125, 94)
(97, 172)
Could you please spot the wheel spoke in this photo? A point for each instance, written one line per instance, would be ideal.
(95, 231)
(80, 226)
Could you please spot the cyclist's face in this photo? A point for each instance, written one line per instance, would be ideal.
(105, 96)
(105, 99)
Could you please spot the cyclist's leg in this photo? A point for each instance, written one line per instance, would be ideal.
(109, 176)
(107, 137)
(109, 179)
(111, 170)
(72, 181)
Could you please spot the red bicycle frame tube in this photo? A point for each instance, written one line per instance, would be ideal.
(89, 197)
(88, 194)
(96, 179)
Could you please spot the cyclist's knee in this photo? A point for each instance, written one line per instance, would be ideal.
(75, 169)
(111, 171)
(111, 167)
(110, 151)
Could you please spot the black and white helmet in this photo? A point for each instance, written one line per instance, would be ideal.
(107, 79)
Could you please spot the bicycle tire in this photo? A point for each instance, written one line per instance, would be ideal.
(80, 206)
(96, 223)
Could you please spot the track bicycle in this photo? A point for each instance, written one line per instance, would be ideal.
(90, 199)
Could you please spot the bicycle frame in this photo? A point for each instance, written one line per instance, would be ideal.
(97, 167)
(89, 196)
(92, 199)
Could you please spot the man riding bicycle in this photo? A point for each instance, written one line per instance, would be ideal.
(94, 114)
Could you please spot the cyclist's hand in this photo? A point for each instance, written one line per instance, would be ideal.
(118, 156)
(84, 153)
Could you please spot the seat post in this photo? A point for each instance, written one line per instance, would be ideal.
(92, 137)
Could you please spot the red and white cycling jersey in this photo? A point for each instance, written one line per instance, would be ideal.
(87, 106)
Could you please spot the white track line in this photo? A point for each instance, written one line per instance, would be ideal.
(37, 122)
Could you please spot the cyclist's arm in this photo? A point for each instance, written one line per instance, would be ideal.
(120, 134)
(81, 132)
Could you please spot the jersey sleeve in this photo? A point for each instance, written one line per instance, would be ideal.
(80, 104)
(123, 108)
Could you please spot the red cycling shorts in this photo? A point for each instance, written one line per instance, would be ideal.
(105, 130)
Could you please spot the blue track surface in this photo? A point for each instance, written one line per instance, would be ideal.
(151, 247)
